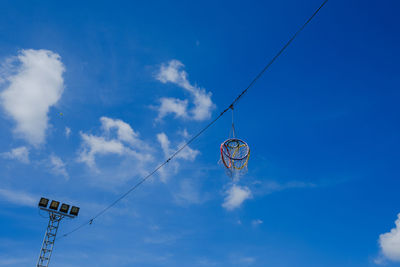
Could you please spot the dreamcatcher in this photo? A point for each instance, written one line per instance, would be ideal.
(235, 154)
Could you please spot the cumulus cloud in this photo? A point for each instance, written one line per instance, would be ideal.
(57, 166)
(235, 196)
(93, 145)
(19, 153)
(125, 143)
(17, 197)
(173, 72)
(124, 131)
(34, 84)
(169, 105)
(390, 243)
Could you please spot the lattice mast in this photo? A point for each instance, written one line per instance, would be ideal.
(55, 217)
(49, 239)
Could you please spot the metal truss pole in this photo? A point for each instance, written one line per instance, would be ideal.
(49, 239)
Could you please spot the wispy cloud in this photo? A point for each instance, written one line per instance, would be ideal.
(256, 222)
(19, 153)
(124, 131)
(247, 260)
(57, 166)
(269, 187)
(189, 193)
(98, 145)
(235, 196)
(17, 197)
(161, 239)
(164, 143)
(390, 244)
(67, 132)
(7, 261)
(173, 72)
(33, 85)
(125, 142)
(187, 154)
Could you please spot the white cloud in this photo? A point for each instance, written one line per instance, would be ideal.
(390, 243)
(171, 73)
(171, 105)
(93, 145)
(187, 153)
(380, 260)
(172, 167)
(164, 142)
(34, 86)
(184, 134)
(125, 143)
(18, 198)
(7, 261)
(269, 187)
(235, 196)
(19, 153)
(189, 193)
(67, 132)
(124, 131)
(203, 105)
(247, 260)
(57, 166)
(256, 222)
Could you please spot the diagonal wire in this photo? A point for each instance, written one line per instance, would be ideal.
(231, 106)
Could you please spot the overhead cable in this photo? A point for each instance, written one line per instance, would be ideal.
(231, 106)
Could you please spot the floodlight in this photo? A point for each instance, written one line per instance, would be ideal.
(74, 211)
(43, 202)
(54, 205)
(64, 208)
(56, 212)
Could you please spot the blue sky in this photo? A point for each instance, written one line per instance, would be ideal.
(94, 95)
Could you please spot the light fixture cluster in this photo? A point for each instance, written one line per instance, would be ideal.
(55, 205)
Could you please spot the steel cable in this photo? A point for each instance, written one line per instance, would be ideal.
(231, 106)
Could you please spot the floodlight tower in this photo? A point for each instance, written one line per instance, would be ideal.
(55, 216)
